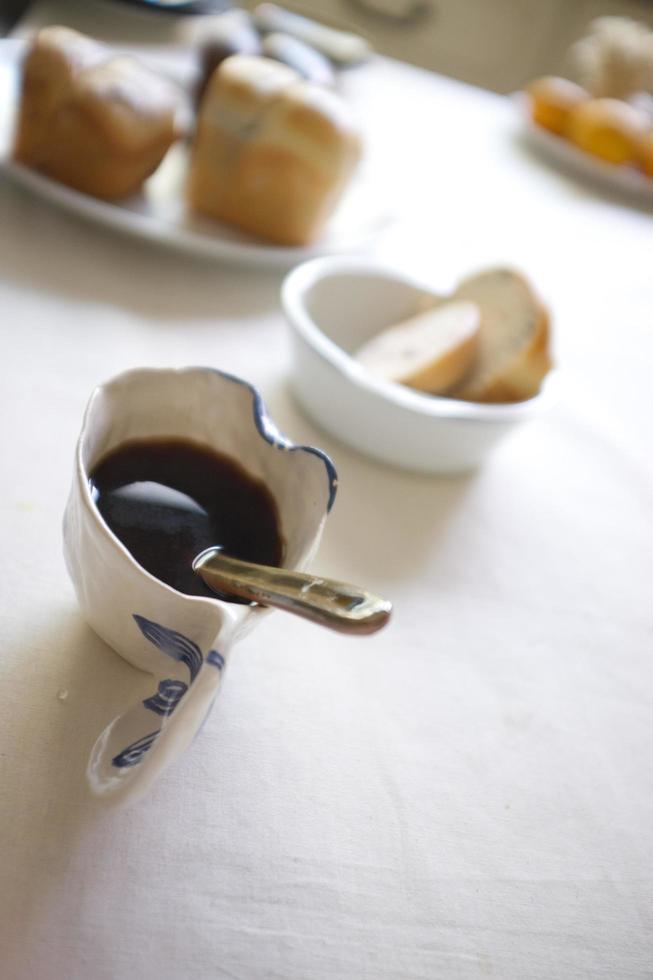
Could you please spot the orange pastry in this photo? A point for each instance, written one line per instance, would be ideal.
(646, 153)
(609, 129)
(552, 100)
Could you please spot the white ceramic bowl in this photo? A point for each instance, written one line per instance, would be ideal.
(333, 305)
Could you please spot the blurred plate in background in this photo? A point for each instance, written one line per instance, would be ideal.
(159, 214)
(591, 170)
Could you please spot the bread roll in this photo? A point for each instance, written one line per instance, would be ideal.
(513, 350)
(272, 153)
(431, 351)
(646, 153)
(552, 100)
(615, 59)
(101, 124)
(609, 129)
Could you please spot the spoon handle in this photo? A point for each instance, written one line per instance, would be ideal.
(342, 607)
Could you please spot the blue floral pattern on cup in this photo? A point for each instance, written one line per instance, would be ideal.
(170, 690)
(215, 658)
(133, 754)
(167, 697)
(171, 643)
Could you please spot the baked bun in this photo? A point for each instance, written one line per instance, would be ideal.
(431, 351)
(646, 153)
(615, 59)
(272, 153)
(609, 129)
(513, 351)
(552, 100)
(101, 124)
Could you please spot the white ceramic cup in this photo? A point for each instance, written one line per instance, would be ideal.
(184, 641)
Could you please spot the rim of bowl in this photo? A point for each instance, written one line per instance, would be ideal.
(303, 277)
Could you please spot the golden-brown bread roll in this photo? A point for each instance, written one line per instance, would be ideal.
(552, 100)
(646, 153)
(101, 124)
(608, 129)
(272, 153)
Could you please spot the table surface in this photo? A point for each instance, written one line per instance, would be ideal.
(468, 793)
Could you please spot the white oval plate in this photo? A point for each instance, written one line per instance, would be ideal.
(159, 214)
(623, 179)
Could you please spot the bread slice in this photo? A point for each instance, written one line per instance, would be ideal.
(431, 351)
(513, 350)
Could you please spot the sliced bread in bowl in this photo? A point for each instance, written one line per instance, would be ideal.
(512, 355)
(431, 351)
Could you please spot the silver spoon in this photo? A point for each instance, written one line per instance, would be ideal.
(342, 607)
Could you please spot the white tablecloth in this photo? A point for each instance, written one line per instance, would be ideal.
(469, 793)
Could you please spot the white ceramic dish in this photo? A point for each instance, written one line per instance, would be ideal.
(622, 180)
(333, 306)
(159, 215)
(184, 641)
